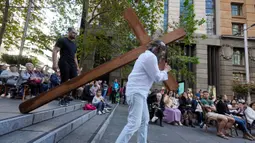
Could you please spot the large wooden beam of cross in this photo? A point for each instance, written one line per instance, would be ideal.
(144, 38)
(105, 68)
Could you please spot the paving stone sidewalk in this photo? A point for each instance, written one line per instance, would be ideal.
(166, 134)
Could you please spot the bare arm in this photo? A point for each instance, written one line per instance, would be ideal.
(54, 57)
(76, 62)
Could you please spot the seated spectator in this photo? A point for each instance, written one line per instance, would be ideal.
(186, 110)
(252, 105)
(11, 77)
(158, 109)
(13, 73)
(235, 109)
(98, 102)
(79, 92)
(46, 82)
(171, 113)
(55, 79)
(3, 68)
(250, 113)
(40, 73)
(197, 109)
(222, 120)
(93, 89)
(163, 90)
(222, 108)
(198, 94)
(86, 94)
(33, 79)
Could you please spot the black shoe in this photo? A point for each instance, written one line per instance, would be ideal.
(62, 102)
(202, 125)
(69, 98)
(193, 126)
(67, 101)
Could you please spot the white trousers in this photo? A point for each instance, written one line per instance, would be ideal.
(138, 119)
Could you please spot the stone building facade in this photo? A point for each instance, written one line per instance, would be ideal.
(224, 29)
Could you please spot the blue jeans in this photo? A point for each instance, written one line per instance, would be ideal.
(104, 93)
(199, 117)
(241, 123)
(138, 120)
(99, 106)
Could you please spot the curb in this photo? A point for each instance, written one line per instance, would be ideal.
(58, 133)
(102, 129)
(15, 123)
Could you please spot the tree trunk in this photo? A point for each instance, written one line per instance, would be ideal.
(5, 19)
(86, 62)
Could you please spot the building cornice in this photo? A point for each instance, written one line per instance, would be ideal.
(236, 37)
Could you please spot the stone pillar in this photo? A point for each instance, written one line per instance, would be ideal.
(217, 16)
(199, 9)
(173, 12)
(226, 76)
(201, 68)
(252, 69)
(252, 62)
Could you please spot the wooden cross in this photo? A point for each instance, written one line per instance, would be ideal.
(107, 67)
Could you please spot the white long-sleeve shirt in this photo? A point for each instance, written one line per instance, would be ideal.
(96, 100)
(144, 73)
(250, 115)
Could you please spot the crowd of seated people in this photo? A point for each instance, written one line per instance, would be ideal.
(223, 108)
(111, 92)
(202, 110)
(36, 80)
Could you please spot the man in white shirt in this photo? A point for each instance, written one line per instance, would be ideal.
(144, 73)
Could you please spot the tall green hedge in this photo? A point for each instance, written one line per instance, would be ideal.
(13, 59)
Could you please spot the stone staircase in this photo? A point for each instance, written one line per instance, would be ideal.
(61, 124)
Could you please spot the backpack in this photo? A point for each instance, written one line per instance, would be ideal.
(89, 107)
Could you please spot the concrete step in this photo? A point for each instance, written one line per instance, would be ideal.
(11, 124)
(49, 131)
(91, 131)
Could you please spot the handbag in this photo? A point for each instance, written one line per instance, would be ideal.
(89, 107)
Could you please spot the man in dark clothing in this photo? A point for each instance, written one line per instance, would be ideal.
(87, 95)
(68, 63)
(222, 108)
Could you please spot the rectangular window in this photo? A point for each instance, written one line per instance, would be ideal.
(210, 7)
(210, 17)
(182, 8)
(238, 57)
(239, 76)
(237, 29)
(236, 9)
(165, 15)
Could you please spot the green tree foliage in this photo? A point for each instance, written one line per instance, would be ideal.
(242, 88)
(176, 56)
(14, 29)
(13, 59)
